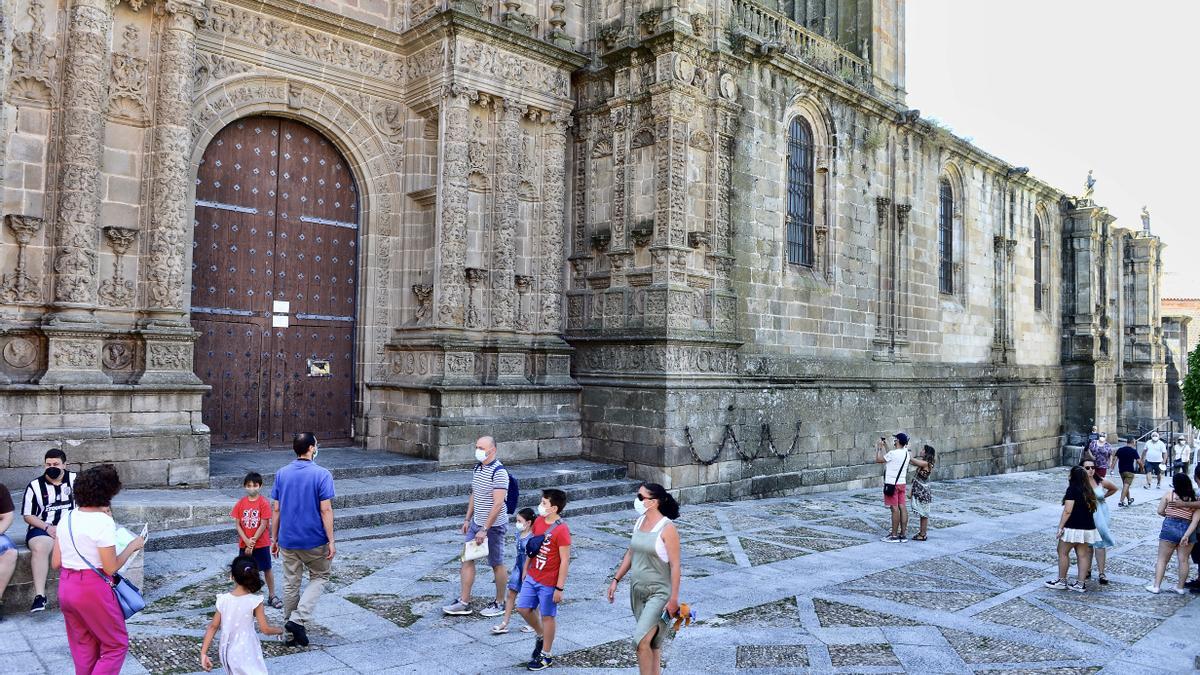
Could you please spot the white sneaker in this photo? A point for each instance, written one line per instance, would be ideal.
(1152, 588)
(1057, 584)
(1182, 591)
(492, 609)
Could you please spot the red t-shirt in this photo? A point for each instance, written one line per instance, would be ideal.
(250, 514)
(544, 566)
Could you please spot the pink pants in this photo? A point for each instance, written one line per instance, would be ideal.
(95, 625)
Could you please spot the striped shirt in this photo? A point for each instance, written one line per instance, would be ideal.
(485, 479)
(48, 501)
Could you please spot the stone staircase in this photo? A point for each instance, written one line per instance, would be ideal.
(376, 492)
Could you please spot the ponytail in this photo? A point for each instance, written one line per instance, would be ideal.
(245, 573)
(666, 503)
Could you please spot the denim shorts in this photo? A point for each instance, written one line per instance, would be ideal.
(515, 578)
(1173, 529)
(536, 596)
(6, 544)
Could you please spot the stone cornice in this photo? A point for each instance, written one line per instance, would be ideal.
(456, 22)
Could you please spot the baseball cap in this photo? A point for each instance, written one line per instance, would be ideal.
(902, 437)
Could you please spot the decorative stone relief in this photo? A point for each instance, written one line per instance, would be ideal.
(657, 358)
(389, 120)
(118, 355)
(451, 270)
(513, 70)
(118, 291)
(127, 94)
(20, 352)
(33, 69)
(474, 277)
(19, 286)
(280, 36)
(428, 61)
(523, 283)
(552, 236)
(424, 295)
(74, 354)
(169, 356)
(214, 68)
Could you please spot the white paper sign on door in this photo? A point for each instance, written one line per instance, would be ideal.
(281, 306)
(279, 321)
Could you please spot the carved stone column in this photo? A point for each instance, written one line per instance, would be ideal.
(449, 285)
(504, 249)
(167, 332)
(19, 286)
(85, 96)
(170, 209)
(553, 235)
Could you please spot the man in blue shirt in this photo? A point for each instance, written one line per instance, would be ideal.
(302, 530)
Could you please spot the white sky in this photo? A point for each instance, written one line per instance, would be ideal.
(1063, 86)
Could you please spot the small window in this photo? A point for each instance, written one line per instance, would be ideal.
(800, 193)
(1038, 281)
(945, 237)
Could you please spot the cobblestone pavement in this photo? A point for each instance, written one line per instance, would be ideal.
(796, 584)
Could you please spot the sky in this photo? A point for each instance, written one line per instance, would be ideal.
(1063, 86)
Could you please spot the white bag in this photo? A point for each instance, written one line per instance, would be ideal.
(473, 551)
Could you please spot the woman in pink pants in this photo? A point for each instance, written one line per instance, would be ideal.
(95, 625)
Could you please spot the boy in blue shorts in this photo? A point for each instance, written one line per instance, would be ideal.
(251, 515)
(546, 576)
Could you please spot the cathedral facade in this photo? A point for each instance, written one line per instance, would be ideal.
(706, 238)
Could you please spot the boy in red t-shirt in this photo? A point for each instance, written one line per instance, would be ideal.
(251, 516)
(545, 576)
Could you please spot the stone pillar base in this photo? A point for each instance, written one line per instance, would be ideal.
(73, 357)
(169, 358)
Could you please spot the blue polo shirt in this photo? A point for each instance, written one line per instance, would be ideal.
(300, 487)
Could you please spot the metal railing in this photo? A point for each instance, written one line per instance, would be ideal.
(774, 30)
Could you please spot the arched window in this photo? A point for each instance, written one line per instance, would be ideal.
(1038, 282)
(800, 193)
(945, 237)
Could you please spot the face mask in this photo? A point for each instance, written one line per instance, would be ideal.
(252, 492)
(542, 510)
(639, 505)
(316, 450)
(480, 455)
(54, 473)
(520, 526)
(1154, 437)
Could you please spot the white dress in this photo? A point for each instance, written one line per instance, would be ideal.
(241, 652)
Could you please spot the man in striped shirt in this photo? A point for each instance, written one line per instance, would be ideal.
(48, 499)
(486, 519)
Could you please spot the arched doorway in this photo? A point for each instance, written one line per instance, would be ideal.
(274, 280)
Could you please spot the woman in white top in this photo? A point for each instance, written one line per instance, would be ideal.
(86, 552)
(653, 556)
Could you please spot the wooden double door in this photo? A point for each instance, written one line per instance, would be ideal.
(274, 281)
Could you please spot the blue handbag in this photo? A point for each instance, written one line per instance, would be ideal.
(129, 597)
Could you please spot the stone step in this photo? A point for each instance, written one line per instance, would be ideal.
(431, 513)
(227, 468)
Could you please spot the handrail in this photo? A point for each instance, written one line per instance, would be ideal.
(772, 29)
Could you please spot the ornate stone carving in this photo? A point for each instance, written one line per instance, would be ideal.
(127, 95)
(642, 232)
(281, 36)
(513, 70)
(450, 309)
(171, 211)
(33, 72)
(389, 120)
(117, 355)
(657, 359)
(902, 211)
(19, 286)
(85, 95)
(601, 240)
(696, 239)
(169, 356)
(118, 291)
(477, 151)
(213, 68)
(20, 352)
(552, 238)
(424, 295)
(474, 276)
(523, 283)
(80, 354)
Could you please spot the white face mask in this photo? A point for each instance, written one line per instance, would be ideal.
(520, 526)
(542, 510)
(480, 455)
(1154, 437)
(316, 451)
(639, 505)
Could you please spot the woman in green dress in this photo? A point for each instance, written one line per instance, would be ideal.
(653, 560)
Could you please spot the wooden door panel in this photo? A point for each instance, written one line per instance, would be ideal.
(229, 358)
(301, 401)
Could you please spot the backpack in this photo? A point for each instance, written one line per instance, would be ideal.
(514, 490)
(534, 544)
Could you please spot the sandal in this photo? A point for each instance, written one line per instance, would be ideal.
(500, 628)
(275, 602)
(920, 537)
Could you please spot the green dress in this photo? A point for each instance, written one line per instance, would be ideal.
(650, 588)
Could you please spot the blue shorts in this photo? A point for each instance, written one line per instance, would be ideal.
(1173, 529)
(6, 544)
(35, 532)
(515, 577)
(261, 555)
(495, 541)
(536, 596)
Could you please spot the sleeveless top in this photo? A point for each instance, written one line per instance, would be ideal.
(1177, 511)
(660, 548)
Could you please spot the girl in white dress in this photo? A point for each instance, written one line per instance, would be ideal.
(237, 611)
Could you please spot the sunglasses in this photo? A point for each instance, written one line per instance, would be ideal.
(1089, 468)
(642, 498)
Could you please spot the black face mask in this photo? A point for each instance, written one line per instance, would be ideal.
(54, 473)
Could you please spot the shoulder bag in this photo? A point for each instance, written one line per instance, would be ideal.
(129, 597)
(889, 489)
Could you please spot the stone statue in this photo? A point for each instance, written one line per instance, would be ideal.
(1145, 219)
(1089, 186)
